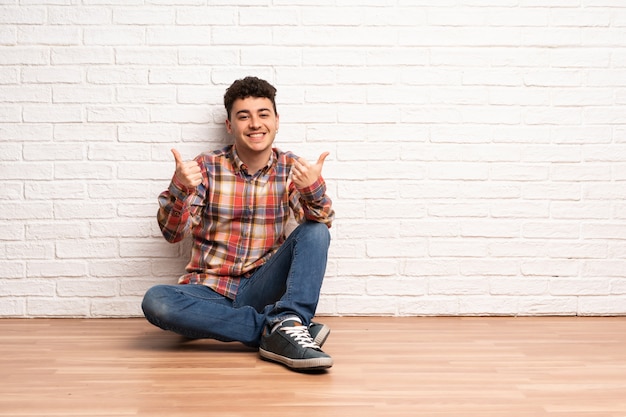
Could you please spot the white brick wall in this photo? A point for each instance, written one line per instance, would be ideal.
(478, 147)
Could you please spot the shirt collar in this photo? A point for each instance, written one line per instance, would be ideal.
(240, 166)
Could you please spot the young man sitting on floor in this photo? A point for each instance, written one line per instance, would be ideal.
(246, 280)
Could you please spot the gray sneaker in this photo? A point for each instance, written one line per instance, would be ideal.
(319, 333)
(292, 345)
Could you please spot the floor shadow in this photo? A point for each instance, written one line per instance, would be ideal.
(159, 340)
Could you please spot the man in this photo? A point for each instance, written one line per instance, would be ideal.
(246, 280)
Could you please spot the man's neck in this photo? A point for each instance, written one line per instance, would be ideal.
(254, 161)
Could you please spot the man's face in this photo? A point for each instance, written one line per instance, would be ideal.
(253, 124)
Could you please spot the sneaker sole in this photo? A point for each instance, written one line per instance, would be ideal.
(321, 337)
(312, 364)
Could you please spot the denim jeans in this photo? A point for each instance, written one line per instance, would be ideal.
(287, 285)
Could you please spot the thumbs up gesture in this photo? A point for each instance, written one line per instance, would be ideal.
(305, 173)
(187, 172)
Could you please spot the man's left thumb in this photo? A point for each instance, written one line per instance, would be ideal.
(322, 157)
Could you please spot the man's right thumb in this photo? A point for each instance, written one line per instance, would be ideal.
(177, 157)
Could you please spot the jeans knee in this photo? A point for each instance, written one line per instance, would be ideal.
(317, 232)
(152, 305)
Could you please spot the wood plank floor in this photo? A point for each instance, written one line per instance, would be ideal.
(435, 366)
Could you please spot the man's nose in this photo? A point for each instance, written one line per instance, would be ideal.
(254, 122)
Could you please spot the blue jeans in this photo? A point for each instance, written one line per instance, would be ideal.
(287, 285)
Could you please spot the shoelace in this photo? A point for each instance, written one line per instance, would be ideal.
(301, 335)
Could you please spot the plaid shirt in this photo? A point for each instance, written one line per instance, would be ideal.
(237, 220)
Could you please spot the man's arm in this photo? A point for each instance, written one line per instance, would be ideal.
(176, 204)
(312, 203)
(307, 192)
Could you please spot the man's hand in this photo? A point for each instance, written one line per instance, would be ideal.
(188, 173)
(304, 173)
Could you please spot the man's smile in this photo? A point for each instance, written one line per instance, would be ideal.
(257, 135)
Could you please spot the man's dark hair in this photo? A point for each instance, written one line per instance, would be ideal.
(249, 87)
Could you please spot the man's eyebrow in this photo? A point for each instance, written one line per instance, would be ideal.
(258, 111)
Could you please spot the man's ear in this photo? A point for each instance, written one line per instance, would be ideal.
(228, 127)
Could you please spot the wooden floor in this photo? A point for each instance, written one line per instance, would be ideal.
(444, 366)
